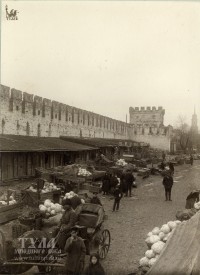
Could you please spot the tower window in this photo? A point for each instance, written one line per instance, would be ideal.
(38, 130)
(27, 129)
(3, 125)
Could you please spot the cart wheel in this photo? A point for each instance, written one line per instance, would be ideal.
(104, 244)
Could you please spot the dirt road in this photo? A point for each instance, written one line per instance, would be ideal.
(140, 214)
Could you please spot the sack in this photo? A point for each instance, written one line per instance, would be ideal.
(55, 220)
(134, 184)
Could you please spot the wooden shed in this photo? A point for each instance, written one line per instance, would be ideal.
(20, 155)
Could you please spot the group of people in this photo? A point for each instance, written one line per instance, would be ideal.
(68, 240)
(110, 182)
(67, 233)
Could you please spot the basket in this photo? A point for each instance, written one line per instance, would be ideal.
(28, 221)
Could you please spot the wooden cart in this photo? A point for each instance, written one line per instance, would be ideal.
(90, 222)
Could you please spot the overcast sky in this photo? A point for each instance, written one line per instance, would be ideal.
(105, 56)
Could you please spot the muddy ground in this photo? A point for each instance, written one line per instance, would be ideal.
(138, 215)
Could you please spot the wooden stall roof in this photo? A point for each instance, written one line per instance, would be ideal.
(101, 142)
(181, 255)
(14, 143)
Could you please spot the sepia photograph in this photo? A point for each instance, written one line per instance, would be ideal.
(100, 137)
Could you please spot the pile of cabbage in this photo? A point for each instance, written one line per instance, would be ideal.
(48, 187)
(197, 205)
(50, 209)
(155, 241)
(10, 202)
(83, 172)
(72, 194)
(121, 162)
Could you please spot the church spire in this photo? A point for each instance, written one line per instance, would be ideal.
(194, 126)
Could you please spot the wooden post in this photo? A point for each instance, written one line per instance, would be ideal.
(8, 195)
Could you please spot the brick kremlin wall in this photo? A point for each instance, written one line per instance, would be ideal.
(27, 114)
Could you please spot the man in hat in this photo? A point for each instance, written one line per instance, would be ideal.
(68, 220)
(95, 199)
(76, 252)
(191, 159)
(168, 183)
(117, 197)
(129, 179)
(106, 183)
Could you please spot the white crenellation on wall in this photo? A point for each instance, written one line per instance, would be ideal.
(26, 114)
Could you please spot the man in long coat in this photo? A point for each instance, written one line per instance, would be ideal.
(168, 183)
(68, 220)
(129, 179)
(76, 252)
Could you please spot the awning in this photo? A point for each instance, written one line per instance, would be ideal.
(14, 143)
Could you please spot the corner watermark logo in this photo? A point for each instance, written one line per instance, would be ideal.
(12, 15)
(34, 249)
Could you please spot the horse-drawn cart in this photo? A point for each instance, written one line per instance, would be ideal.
(38, 248)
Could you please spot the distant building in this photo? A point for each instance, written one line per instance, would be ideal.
(148, 126)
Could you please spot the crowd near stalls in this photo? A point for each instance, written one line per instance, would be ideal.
(64, 181)
(63, 200)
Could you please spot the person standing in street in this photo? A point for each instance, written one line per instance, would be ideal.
(76, 252)
(191, 159)
(113, 182)
(129, 179)
(106, 184)
(168, 183)
(117, 197)
(163, 156)
(124, 185)
(171, 167)
(94, 267)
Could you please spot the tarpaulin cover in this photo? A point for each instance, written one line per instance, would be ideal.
(181, 255)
